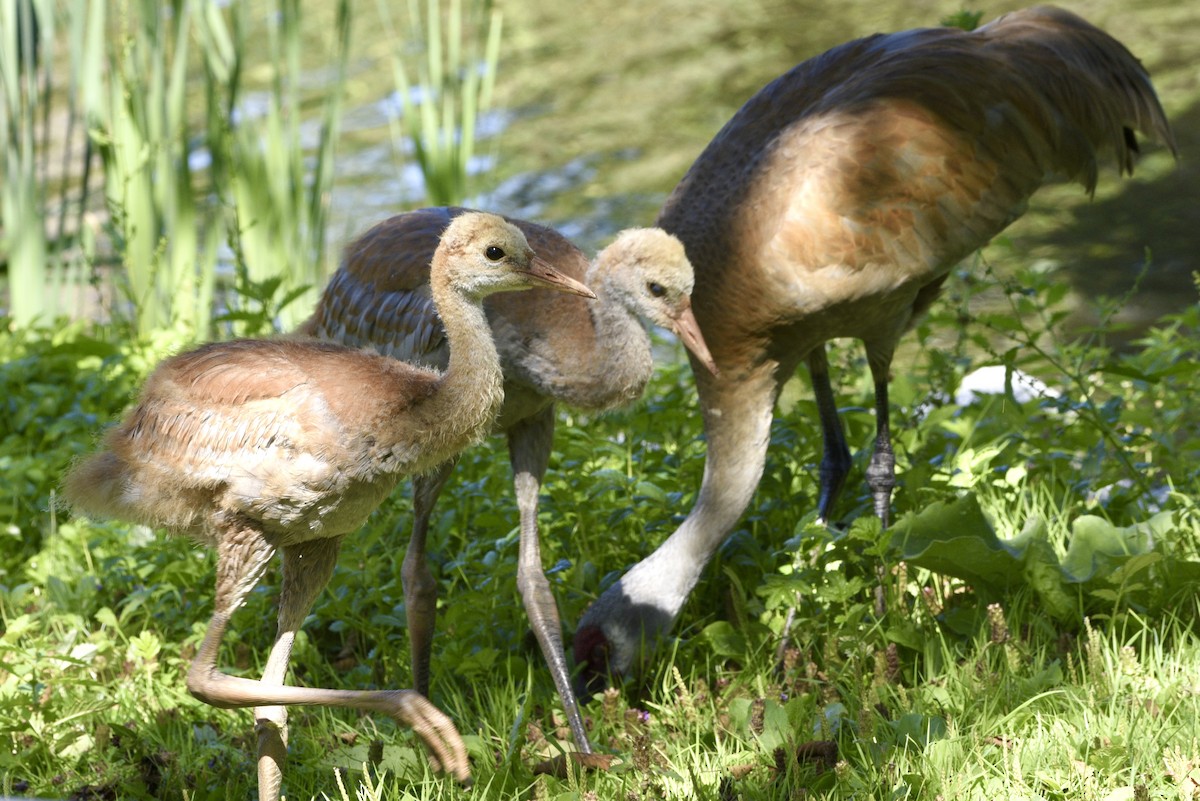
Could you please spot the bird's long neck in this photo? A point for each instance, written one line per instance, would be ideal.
(737, 447)
(471, 389)
(643, 604)
(623, 361)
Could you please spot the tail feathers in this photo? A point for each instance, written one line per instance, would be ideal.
(104, 486)
(1091, 81)
(96, 486)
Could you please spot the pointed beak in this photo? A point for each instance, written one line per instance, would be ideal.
(688, 330)
(546, 276)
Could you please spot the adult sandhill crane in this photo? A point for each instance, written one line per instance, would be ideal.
(592, 356)
(834, 204)
(254, 446)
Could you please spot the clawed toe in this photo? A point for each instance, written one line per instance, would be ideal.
(447, 752)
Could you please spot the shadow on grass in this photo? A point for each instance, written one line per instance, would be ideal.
(1105, 244)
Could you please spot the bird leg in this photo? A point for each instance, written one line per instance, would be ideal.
(306, 570)
(881, 472)
(529, 446)
(420, 590)
(242, 556)
(835, 464)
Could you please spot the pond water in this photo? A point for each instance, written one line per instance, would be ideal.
(605, 105)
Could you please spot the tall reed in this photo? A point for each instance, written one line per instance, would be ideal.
(143, 132)
(23, 244)
(215, 188)
(186, 166)
(446, 88)
(260, 195)
(35, 237)
(276, 202)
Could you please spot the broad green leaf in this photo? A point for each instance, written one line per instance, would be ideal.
(1098, 547)
(726, 641)
(1044, 574)
(956, 539)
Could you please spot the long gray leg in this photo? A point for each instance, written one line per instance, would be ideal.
(529, 444)
(242, 555)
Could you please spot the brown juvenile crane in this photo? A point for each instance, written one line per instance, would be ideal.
(592, 356)
(834, 204)
(254, 446)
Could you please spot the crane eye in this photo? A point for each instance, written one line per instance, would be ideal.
(494, 253)
(656, 289)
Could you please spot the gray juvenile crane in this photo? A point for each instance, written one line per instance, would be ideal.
(834, 204)
(591, 356)
(254, 446)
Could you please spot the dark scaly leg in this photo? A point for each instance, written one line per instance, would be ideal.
(881, 472)
(420, 590)
(835, 464)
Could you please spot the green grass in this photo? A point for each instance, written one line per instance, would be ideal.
(1035, 686)
(1041, 644)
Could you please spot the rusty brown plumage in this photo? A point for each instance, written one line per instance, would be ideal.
(834, 204)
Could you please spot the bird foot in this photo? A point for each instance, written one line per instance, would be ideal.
(446, 749)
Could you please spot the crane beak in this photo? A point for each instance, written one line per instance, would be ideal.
(688, 330)
(544, 275)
